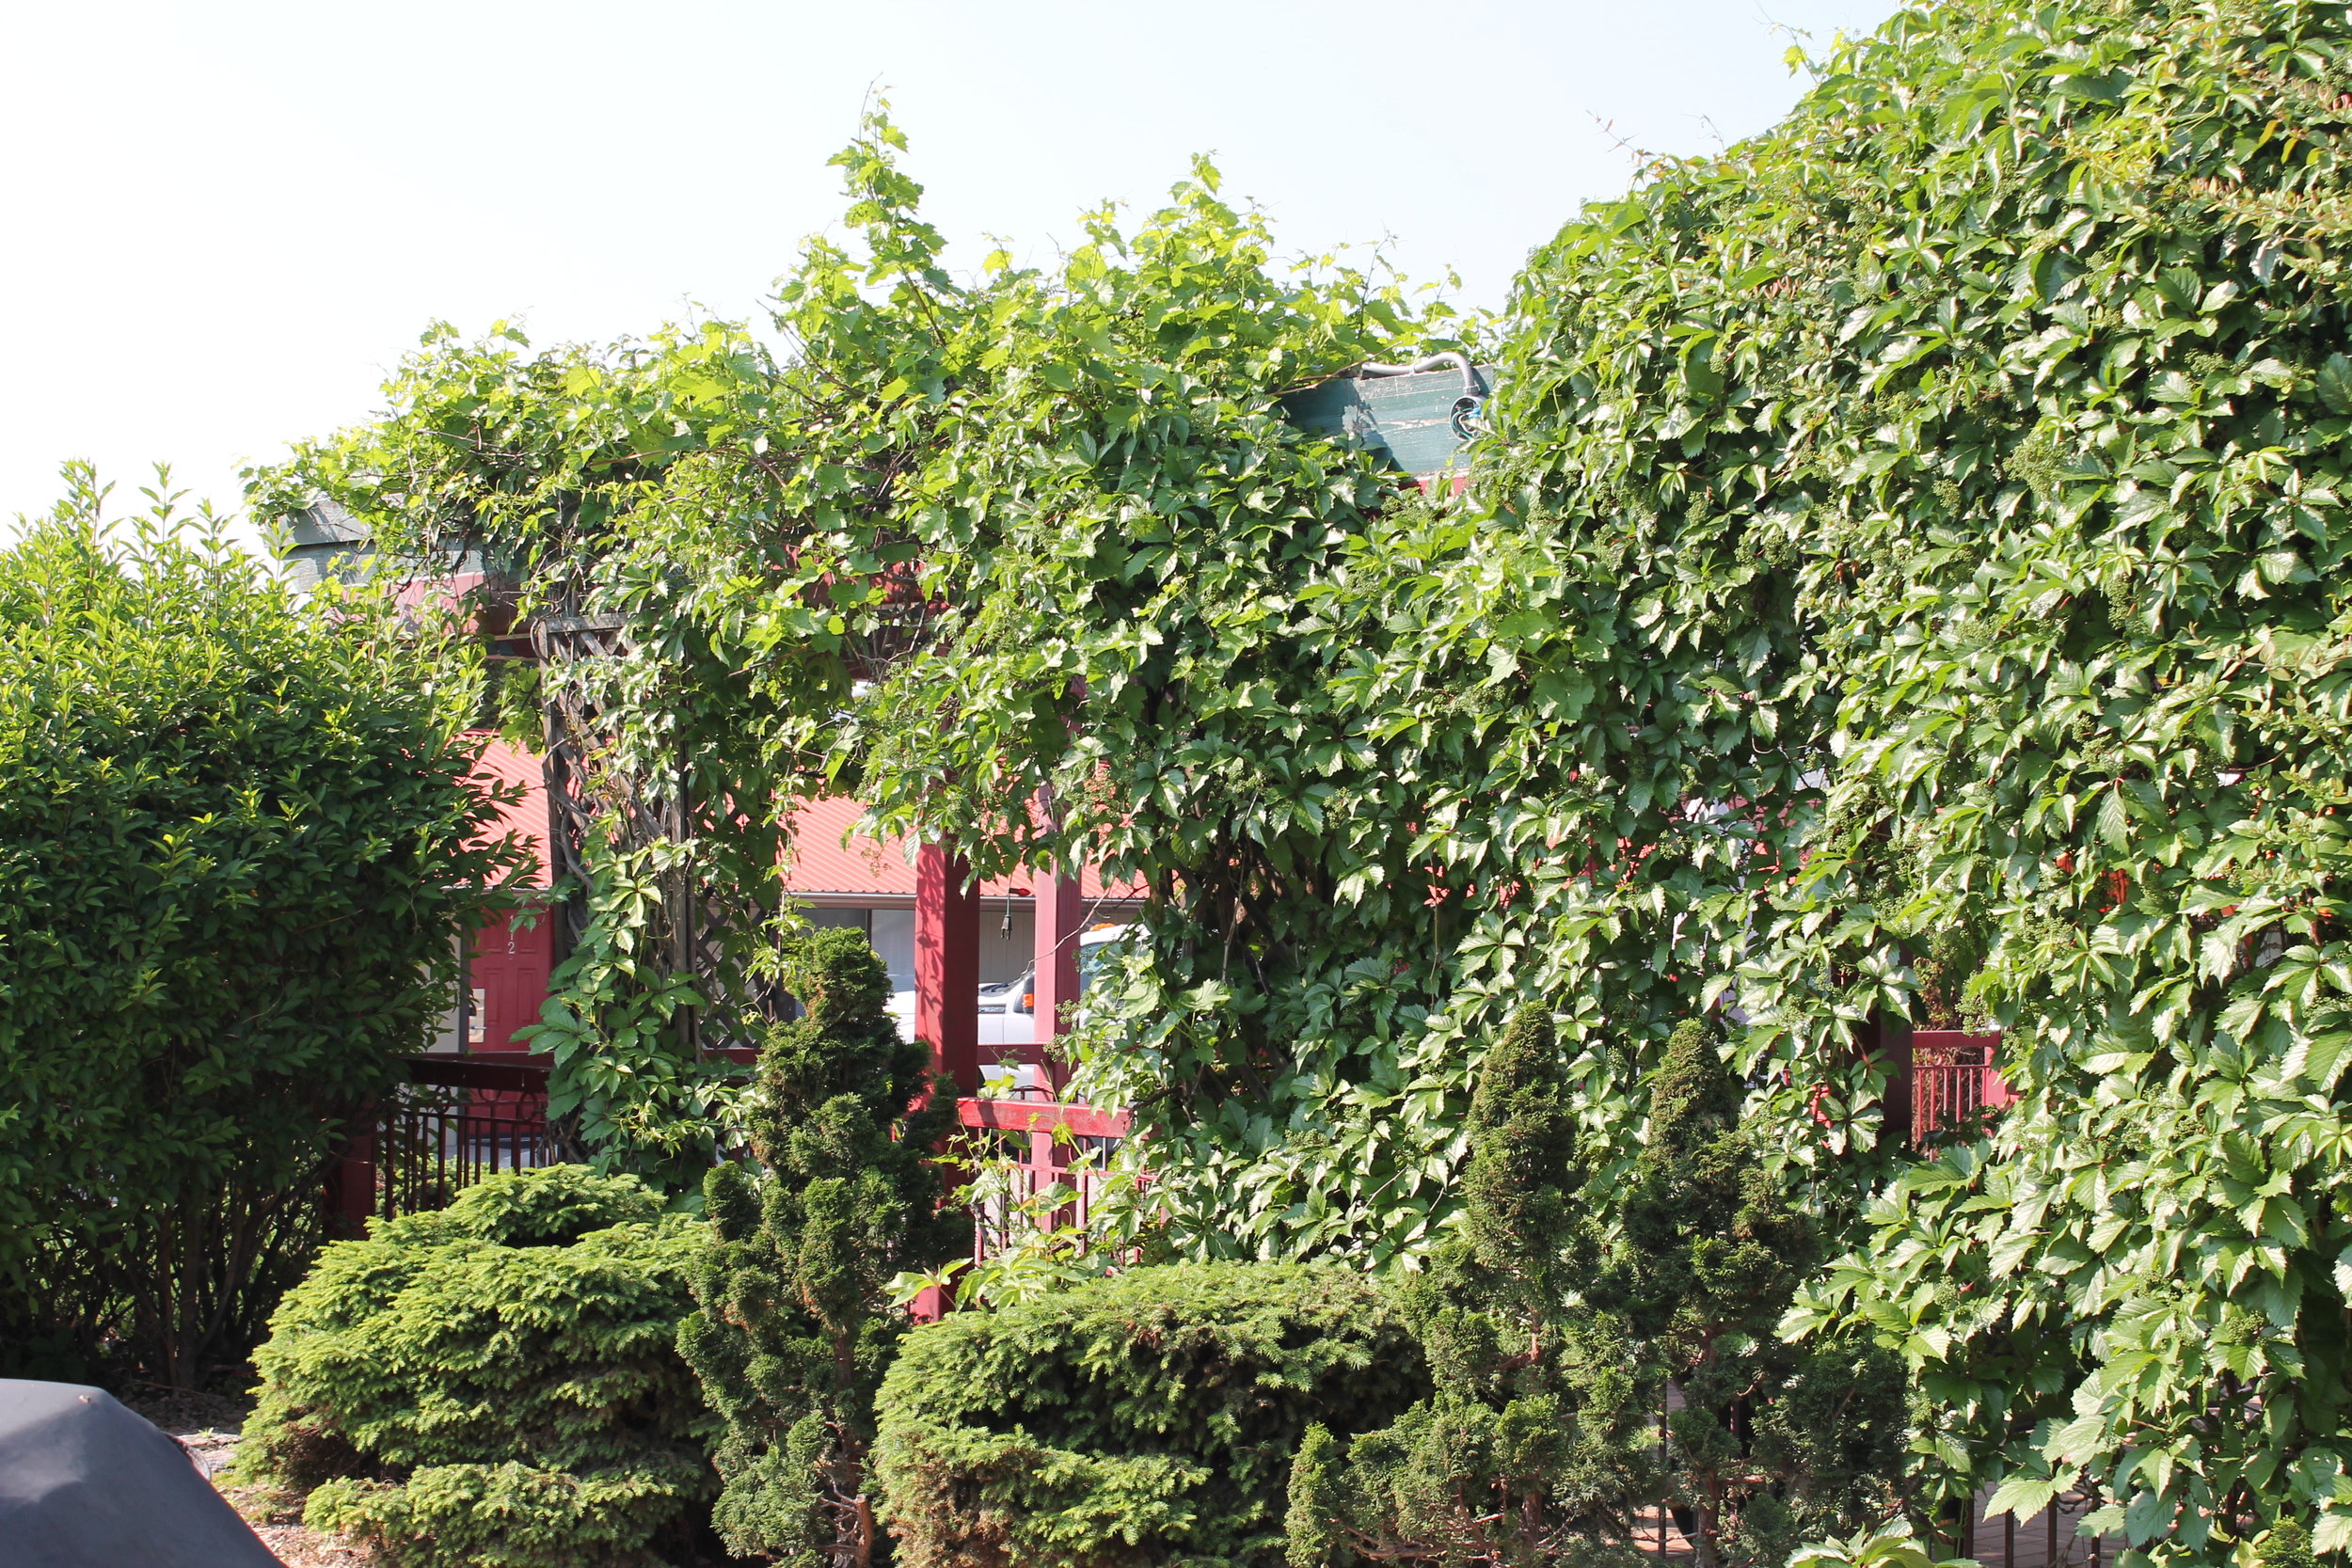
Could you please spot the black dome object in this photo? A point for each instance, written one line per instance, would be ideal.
(84, 1484)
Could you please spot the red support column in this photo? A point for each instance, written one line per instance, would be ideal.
(1058, 912)
(946, 985)
(948, 963)
(350, 1197)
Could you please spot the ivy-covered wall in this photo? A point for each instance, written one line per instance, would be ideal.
(1902, 580)
(1943, 496)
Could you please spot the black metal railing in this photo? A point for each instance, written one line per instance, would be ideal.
(455, 1120)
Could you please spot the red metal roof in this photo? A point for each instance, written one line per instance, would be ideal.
(504, 762)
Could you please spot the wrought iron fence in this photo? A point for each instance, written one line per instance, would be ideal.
(454, 1121)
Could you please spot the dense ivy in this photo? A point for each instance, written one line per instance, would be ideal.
(238, 846)
(1945, 491)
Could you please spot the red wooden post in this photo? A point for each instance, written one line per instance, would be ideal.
(948, 963)
(1058, 912)
(351, 1187)
(946, 986)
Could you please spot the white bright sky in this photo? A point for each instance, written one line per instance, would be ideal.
(226, 221)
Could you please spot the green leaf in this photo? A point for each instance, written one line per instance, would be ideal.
(2332, 1531)
(2023, 1495)
(2334, 382)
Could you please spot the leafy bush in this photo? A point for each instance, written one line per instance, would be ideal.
(497, 1384)
(1147, 1418)
(1556, 1318)
(1872, 1549)
(235, 863)
(794, 1324)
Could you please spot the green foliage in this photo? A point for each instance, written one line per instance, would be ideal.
(1974, 430)
(2287, 1545)
(794, 1324)
(1904, 580)
(1774, 1442)
(1537, 1445)
(1558, 1315)
(1872, 1549)
(237, 846)
(626, 1076)
(1930, 518)
(1147, 1419)
(496, 1384)
(833, 568)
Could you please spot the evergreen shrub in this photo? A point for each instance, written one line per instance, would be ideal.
(1146, 1418)
(497, 1384)
(796, 1322)
(1559, 1314)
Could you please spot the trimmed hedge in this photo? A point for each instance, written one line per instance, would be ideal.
(496, 1385)
(1145, 1418)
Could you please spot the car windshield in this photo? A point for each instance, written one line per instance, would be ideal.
(1098, 958)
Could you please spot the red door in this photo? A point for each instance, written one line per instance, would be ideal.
(511, 963)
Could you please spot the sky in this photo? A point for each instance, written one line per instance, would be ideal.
(228, 221)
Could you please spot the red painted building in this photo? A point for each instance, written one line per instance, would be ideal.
(838, 879)
(508, 972)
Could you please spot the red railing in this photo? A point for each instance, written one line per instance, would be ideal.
(1041, 1145)
(1956, 1082)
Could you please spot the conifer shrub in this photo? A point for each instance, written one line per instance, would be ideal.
(1560, 1312)
(1774, 1442)
(1146, 1418)
(794, 1322)
(496, 1384)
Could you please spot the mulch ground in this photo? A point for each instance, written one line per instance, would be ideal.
(206, 1426)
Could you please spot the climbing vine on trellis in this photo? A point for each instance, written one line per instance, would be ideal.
(1020, 557)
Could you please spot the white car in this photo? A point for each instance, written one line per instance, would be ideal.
(1008, 1009)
